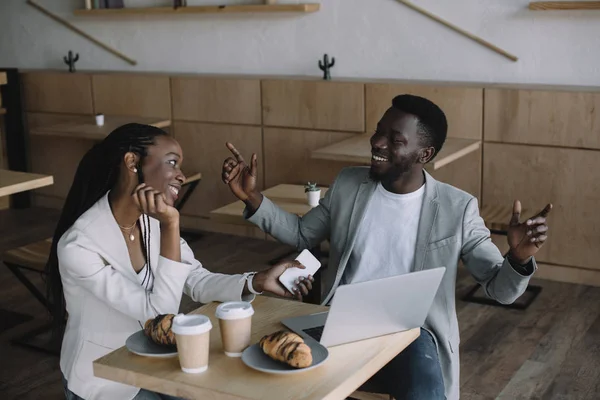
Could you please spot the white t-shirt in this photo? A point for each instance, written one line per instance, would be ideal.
(386, 238)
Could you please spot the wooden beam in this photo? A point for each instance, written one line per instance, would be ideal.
(459, 30)
(80, 32)
(242, 8)
(564, 5)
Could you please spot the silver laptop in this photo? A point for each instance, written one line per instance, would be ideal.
(369, 309)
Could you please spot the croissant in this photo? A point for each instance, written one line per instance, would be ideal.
(159, 329)
(287, 347)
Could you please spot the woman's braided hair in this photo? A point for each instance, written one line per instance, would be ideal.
(96, 174)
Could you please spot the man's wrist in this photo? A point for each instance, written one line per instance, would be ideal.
(254, 201)
(518, 260)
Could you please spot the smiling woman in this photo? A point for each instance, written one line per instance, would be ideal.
(117, 258)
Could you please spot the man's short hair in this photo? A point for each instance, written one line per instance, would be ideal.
(432, 122)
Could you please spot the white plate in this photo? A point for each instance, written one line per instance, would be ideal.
(140, 344)
(256, 359)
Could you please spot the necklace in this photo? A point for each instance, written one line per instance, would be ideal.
(130, 229)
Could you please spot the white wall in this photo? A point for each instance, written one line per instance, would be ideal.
(369, 39)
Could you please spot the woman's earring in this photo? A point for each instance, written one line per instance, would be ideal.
(135, 170)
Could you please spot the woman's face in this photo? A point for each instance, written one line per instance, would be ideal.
(162, 167)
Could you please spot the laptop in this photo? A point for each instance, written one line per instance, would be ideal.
(370, 309)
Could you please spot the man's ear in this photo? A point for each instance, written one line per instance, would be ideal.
(426, 154)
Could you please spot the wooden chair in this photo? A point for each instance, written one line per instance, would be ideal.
(32, 258)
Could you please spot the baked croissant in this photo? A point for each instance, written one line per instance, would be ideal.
(159, 329)
(287, 347)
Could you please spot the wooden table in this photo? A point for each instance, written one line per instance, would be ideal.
(86, 128)
(290, 198)
(12, 182)
(358, 150)
(347, 368)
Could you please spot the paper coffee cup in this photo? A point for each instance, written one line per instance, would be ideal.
(235, 321)
(192, 334)
(100, 119)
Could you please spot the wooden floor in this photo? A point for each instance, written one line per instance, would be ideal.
(550, 351)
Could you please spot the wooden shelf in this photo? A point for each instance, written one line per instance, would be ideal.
(564, 5)
(251, 8)
(86, 128)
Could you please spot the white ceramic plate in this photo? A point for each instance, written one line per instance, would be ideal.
(140, 344)
(256, 359)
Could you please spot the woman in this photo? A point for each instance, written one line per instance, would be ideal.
(118, 260)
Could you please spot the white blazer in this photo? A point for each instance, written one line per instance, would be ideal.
(106, 301)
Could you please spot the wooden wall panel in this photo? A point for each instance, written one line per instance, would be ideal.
(132, 95)
(57, 157)
(307, 104)
(234, 101)
(463, 106)
(57, 92)
(204, 151)
(567, 119)
(287, 156)
(464, 173)
(42, 201)
(538, 175)
(34, 120)
(43, 159)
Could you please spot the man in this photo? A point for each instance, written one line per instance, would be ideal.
(394, 218)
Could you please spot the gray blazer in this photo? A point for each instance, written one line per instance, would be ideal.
(450, 229)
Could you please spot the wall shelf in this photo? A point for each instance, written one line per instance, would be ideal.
(250, 8)
(564, 5)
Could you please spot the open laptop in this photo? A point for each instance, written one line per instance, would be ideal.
(369, 309)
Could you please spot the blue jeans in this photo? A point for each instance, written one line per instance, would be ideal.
(143, 394)
(414, 374)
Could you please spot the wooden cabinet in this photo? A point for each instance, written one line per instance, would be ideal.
(203, 99)
(135, 95)
(337, 106)
(204, 151)
(556, 118)
(57, 92)
(463, 106)
(288, 160)
(540, 175)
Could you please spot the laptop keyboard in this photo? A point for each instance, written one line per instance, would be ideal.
(315, 332)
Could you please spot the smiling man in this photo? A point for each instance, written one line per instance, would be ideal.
(393, 218)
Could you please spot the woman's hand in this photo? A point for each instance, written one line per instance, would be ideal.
(268, 281)
(152, 203)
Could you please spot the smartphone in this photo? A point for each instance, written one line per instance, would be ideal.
(311, 264)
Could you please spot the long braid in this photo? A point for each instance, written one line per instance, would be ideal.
(96, 174)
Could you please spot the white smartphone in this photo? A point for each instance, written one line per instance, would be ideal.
(311, 264)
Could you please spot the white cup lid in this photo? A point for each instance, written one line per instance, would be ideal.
(191, 324)
(234, 310)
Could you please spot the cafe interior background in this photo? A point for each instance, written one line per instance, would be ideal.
(519, 82)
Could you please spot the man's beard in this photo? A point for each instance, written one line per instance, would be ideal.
(396, 171)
